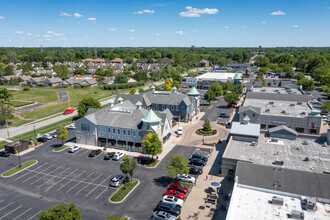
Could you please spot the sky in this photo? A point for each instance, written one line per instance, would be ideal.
(168, 23)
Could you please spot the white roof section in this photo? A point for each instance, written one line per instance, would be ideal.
(252, 204)
(245, 129)
(216, 76)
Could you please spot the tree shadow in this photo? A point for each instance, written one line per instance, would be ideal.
(163, 181)
(55, 146)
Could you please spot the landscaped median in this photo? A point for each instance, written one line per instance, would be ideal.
(61, 148)
(124, 191)
(18, 169)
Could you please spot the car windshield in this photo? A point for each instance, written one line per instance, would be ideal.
(167, 215)
(181, 187)
(175, 199)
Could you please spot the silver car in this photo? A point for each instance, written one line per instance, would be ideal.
(162, 215)
(73, 148)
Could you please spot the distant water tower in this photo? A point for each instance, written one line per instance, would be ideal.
(193, 49)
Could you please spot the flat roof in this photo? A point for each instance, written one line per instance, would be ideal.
(277, 90)
(279, 106)
(291, 152)
(246, 129)
(217, 76)
(251, 204)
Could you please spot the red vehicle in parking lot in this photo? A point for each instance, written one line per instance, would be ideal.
(68, 111)
(179, 187)
(175, 193)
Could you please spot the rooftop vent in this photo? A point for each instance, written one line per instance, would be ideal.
(263, 90)
(303, 113)
(271, 103)
(305, 142)
(278, 162)
(306, 159)
(292, 104)
(267, 110)
(254, 143)
(283, 112)
(299, 103)
(277, 200)
(274, 140)
(296, 214)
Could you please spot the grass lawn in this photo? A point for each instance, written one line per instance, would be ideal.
(121, 193)
(153, 164)
(209, 106)
(42, 130)
(61, 148)
(42, 97)
(16, 169)
(19, 103)
(2, 144)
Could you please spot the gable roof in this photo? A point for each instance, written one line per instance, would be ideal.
(282, 128)
(151, 117)
(53, 80)
(249, 108)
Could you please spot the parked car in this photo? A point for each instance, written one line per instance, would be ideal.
(4, 153)
(179, 187)
(45, 137)
(199, 156)
(118, 156)
(71, 127)
(197, 161)
(108, 156)
(185, 178)
(175, 193)
(195, 170)
(167, 207)
(54, 134)
(119, 179)
(73, 148)
(162, 215)
(179, 131)
(94, 153)
(173, 200)
(68, 111)
(224, 115)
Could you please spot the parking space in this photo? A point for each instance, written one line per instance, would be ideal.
(16, 211)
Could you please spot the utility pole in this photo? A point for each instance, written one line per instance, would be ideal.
(34, 131)
(7, 129)
(19, 156)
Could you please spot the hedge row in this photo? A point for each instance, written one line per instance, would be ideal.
(123, 85)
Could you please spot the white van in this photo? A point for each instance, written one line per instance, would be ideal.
(179, 131)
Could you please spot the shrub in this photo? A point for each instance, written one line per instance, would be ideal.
(123, 85)
(173, 123)
(25, 88)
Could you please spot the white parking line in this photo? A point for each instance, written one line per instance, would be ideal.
(101, 193)
(69, 181)
(11, 211)
(34, 215)
(22, 213)
(98, 186)
(6, 206)
(61, 179)
(37, 172)
(30, 171)
(88, 184)
(44, 175)
(2, 201)
(79, 182)
(85, 151)
(54, 177)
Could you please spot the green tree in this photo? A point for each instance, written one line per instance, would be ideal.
(121, 78)
(261, 61)
(62, 71)
(207, 128)
(61, 212)
(110, 72)
(132, 91)
(176, 84)
(128, 166)
(100, 72)
(87, 103)
(63, 133)
(9, 70)
(168, 85)
(306, 84)
(6, 113)
(325, 106)
(210, 96)
(231, 97)
(5, 95)
(152, 145)
(299, 76)
(116, 218)
(176, 165)
(216, 89)
(80, 70)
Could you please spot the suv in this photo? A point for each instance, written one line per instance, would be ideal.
(185, 178)
(94, 153)
(199, 156)
(4, 153)
(195, 170)
(73, 148)
(224, 115)
(118, 156)
(162, 215)
(119, 179)
(197, 161)
(108, 156)
(170, 208)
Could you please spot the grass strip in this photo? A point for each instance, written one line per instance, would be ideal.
(188, 185)
(60, 148)
(43, 130)
(122, 192)
(2, 144)
(17, 169)
(153, 164)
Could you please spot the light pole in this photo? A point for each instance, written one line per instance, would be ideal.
(7, 129)
(34, 131)
(19, 156)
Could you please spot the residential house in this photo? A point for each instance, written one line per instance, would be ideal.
(53, 82)
(36, 81)
(117, 60)
(204, 63)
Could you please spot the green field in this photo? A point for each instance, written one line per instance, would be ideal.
(2, 144)
(122, 192)
(19, 103)
(17, 169)
(42, 97)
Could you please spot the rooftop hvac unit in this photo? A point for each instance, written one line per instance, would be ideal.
(254, 143)
(310, 204)
(305, 142)
(277, 200)
(299, 103)
(267, 110)
(297, 214)
(271, 103)
(292, 104)
(283, 112)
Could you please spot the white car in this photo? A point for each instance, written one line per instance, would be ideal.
(179, 131)
(185, 178)
(47, 136)
(172, 200)
(163, 215)
(73, 148)
(71, 127)
(118, 156)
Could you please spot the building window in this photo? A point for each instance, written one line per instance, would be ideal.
(177, 108)
(254, 115)
(243, 114)
(163, 107)
(85, 127)
(139, 133)
(109, 130)
(99, 128)
(124, 132)
(128, 132)
(172, 107)
(182, 109)
(118, 131)
(133, 133)
(114, 131)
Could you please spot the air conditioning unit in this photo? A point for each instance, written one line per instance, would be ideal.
(283, 112)
(297, 214)
(271, 103)
(292, 104)
(267, 110)
(277, 200)
(299, 103)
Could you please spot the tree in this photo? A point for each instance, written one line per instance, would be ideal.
(63, 133)
(168, 85)
(306, 84)
(128, 166)
(62, 71)
(176, 84)
(121, 78)
(210, 96)
(176, 165)
(132, 91)
(152, 145)
(261, 61)
(100, 72)
(61, 212)
(231, 97)
(110, 72)
(9, 70)
(87, 103)
(207, 128)
(325, 106)
(216, 89)
(79, 70)
(5, 95)
(299, 76)
(6, 113)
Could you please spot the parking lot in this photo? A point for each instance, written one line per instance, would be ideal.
(76, 178)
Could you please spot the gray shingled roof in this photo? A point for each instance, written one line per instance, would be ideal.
(132, 98)
(283, 127)
(249, 108)
(168, 98)
(290, 181)
(282, 97)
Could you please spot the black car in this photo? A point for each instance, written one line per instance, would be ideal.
(4, 153)
(108, 156)
(94, 153)
(197, 161)
(168, 207)
(224, 115)
(195, 170)
(199, 156)
(42, 139)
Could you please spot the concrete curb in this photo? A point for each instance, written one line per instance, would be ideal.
(60, 150)
(126, 195)
(18, 171)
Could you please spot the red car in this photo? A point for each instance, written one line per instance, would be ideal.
(68, 111)
(175, 193)
(179, 187)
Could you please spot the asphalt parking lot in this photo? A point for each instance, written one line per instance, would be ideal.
(74, 177)
(218, 107)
